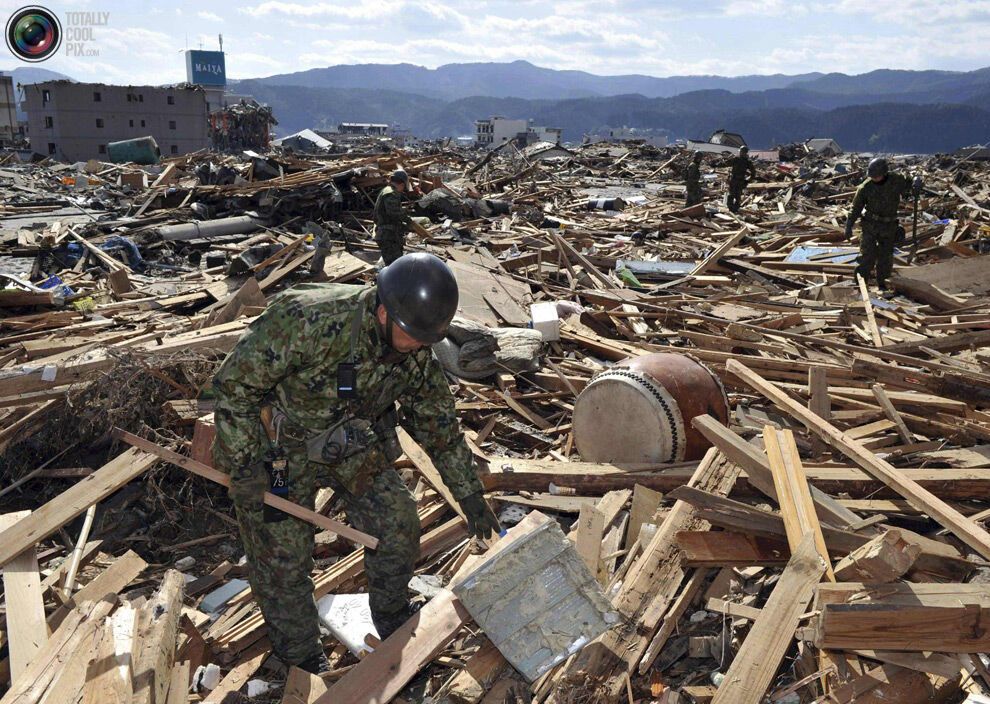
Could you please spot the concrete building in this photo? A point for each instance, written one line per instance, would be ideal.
(8, 110)
(497, 130)
(75, 121)
(363, 129)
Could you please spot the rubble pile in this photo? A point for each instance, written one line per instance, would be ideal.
(827, 542)
(243, 125)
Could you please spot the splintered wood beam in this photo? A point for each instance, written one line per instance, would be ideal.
(759, 658)
(381, 675)
(925, 501)
(215, 475)
(26, 629)
(72, 502)
(793, 495)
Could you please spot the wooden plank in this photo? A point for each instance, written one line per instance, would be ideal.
(649, 588)
(301, 687)
(645, 502)
(673, 616)
(758, 471)
(712, 259)
(885, 558)
(381, 675)
(870, 315)
(424, 465)
(482, 669)
(240, 674)
(757, 661)
(910, 619)
(729, 608)
(727, 549)
(178, 688)
(215, 475)
(154, 650)
(819, 402)
(888, 410)
(793, 495)
(27, 631)
(108, 678)
(112, 581)
(591, 526)
(966, 530)
(72, 502)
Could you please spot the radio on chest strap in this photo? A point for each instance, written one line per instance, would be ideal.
(347, 371)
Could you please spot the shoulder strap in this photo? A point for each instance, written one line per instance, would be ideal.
(356, 322)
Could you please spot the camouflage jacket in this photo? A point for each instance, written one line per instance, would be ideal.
(742, 169)
(389, 214)
(289, 356)
(693, 177)
(880, 200)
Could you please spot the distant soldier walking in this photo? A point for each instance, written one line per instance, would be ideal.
(742, 173)
(391, 221)
(692, 182)
(879, 196)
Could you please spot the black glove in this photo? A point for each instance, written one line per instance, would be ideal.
(849, 229)
(480, 519)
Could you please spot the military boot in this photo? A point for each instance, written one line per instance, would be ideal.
(315, 665)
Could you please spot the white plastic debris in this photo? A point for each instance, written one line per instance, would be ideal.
(206, 677)
(512, 514)
(255, 688)
(185, 563)
(429, 585)
(348, 616)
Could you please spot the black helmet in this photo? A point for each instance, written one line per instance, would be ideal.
(697, 156)
(744, 149)
(419, 293)
(399, 176)
(877, 167)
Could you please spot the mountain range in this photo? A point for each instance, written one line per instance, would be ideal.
(884, 110)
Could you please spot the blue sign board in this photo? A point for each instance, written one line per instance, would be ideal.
(205, 68)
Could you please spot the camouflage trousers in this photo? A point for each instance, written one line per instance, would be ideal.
(693, 196)
(390, 242)
(876, 251)
(736, 189)
(279, 549)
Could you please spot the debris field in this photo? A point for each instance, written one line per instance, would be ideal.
(827, 543)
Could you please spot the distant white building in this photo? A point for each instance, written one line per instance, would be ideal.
(614, 135)
(497, 130)
(825, 146)
(364, 129)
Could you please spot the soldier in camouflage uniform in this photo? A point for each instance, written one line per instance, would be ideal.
(742, 173)
(391, 221)
(693, 181)
(300, 358)
(879, 195)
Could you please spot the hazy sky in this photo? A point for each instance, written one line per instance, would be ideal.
(142, 41)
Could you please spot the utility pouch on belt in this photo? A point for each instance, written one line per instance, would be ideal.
(385, 430)
(339, 442)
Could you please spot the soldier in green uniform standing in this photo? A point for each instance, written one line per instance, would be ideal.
(391, 221)
(879, 196)
(307, 399)
(742, 173)
(693, 181)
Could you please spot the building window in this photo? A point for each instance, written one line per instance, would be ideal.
(140, 97)
(46, 96)
(175, 149)
(49, 121)
(171, 124)
(97, 97)
(99, 122)
(130, 123)
(142, 123)
(129, 96)
(51, 147)
(102, 149)
(170, 99)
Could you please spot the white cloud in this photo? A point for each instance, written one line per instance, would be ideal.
(211, 16)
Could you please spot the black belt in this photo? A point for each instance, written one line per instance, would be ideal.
(880, 219)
